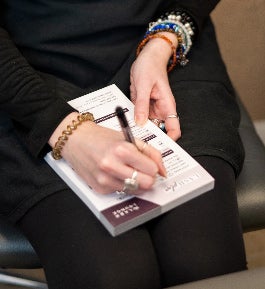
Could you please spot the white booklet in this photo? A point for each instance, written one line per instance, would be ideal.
(185, 180)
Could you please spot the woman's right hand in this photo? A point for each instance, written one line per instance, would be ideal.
(104, 159)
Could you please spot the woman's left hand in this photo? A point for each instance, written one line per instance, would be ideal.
(150, 89)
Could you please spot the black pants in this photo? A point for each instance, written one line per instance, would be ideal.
(196, 240)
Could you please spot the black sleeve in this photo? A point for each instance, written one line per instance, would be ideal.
(199, 10)
(27, 98)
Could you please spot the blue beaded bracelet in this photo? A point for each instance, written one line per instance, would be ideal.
(182, 25)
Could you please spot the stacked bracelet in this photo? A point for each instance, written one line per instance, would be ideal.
(173, 60)
(183, 45)
(179, 23)
(56, 151)
(181, 17)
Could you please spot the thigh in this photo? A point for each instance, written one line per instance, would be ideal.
(206, 103)
(78, 253)
(203, 237)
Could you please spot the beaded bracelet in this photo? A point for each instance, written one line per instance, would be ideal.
(181, 50)
(176, 27)
(180, 16)
(57, 149)
(173, 61)
(179, 23)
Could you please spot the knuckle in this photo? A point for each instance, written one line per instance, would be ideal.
(121, 151)
(105, 164)
(102, 180)
(148, 183)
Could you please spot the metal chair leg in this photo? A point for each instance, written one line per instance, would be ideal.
(19, 281)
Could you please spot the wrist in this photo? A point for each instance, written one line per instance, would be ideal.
(158, 45)
(155, 46)
(63, 124)
(174, 23)
(67, 132)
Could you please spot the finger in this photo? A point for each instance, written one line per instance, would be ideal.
(142, 102)
(125, 157)
(132, 91)
(172, 126)
(144, 181)
(104, 183)
(164, 103)
(114, 179)
(130, 155)
(154, 154)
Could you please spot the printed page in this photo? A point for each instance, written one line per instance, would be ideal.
(185, 179)
(102, 103)
(183, 172)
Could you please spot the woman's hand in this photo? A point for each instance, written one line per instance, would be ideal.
(150, 90)
(104, 159)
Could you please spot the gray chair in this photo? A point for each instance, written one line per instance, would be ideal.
(16, 252)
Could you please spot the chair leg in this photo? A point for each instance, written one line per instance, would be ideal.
(18, 281)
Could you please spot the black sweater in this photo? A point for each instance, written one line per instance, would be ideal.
(77, 44)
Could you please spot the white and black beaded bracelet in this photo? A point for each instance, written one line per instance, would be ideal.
(182, 25)
(182, 17)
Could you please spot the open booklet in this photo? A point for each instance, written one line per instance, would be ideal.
(185, 180)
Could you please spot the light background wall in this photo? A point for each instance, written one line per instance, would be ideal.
(240, 28)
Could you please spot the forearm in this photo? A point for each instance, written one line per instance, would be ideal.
(27, 98)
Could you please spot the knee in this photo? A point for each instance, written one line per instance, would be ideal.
(129, 280)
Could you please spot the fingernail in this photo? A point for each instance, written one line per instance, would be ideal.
(163, 172)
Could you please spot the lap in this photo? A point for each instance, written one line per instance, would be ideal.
(185, 244)
(78, 252)
(203, 237)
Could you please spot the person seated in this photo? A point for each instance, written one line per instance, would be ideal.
(164, 56)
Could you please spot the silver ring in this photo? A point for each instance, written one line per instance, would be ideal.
(131, 184)
(173, 116)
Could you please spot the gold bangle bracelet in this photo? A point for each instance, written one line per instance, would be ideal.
(57, 149)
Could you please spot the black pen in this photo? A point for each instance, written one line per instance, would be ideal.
(125, 125)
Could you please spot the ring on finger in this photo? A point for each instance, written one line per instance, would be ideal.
(158, 122)
(162, 125)
(131, 184)
(174, 115)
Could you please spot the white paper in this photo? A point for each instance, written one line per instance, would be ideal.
(185, 177)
